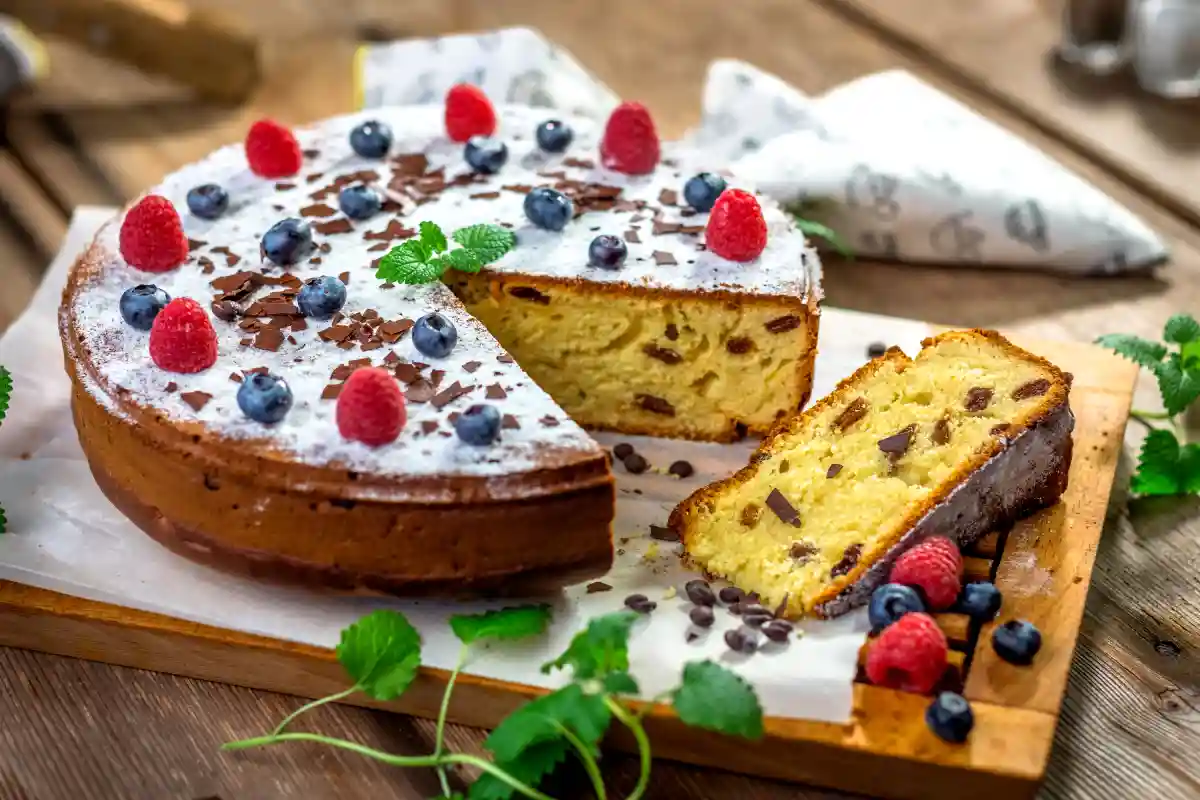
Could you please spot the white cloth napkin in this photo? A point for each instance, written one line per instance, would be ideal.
(898, 169)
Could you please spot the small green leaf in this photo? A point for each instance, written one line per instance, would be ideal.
(1179, 385)
(1165, 468)
(452, 796)
(811, 228)
(488, 241)
(1182, 329)
(620, 683)
(411, 263)
(599, 649)
(5, 391)
(531, 768)
(1136, 349)
(464, 260)
(3, 521)
(718, 699)
(506, 623)
(432, 237)
(382, 653)
(544, 719)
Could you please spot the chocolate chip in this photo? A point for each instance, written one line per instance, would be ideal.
(172, 387)
(635, 463)
(623, 450)
(730, 594)
(701, 616)
(742, 640)
(802, 551)
(672, 332)
(784, 466)
(751, 514)
(876, 349)
(1035, 388)
(941, 432)
(899, 442)
(699, 592)
(755, 609)
(663, 534)
(224, 310)
(777, 630)
(781, 609)
(851, 413)
(663, 354)
(640, 603)
(756, 620)
(655, 405)
(849, 560)
(529, 293)
(977, 398)
(783, 324)
(833, 470)
(681, 469)
(739, 345)
(783, 509)
(1001, 429)
(598, 586)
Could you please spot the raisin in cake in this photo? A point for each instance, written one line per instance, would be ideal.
(969, 435)
(242, 436)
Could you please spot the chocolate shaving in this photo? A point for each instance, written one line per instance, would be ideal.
(549, 421)
(495, 392)
(739, 345)
(581, 163)
(172, 387)
(849, 561)
(597, 586)
(333, 226)
(195, 244)
(206, 265)
(668, 197)
(898, 443)
(655, 405)
(664, 259)
(941, 432)
(235, 377)
(224, 310)
(318, 210)
(335, 333)
(268, 339)
(977, 398)
(395, 230)
(344, 277)
(197, 400)
(852, 413)
(663, 354)
(420, 391)
(484, 196)
(632, 237)
(407, 373)
(283, 186)
(1035, 388)
(529, 293)
(509, 422)
(504, 358)
(833, 470)
(782, 508)
(331, 391)
(410, 164)
(661, 228)
(782, 324)
(232, 259)
(471, 366)
(450, 394)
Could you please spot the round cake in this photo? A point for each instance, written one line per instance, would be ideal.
(359, 356)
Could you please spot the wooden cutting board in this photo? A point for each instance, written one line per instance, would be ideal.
(1042, 565)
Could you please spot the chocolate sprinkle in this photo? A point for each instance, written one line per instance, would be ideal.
(782, 508)
(655, 405)
(663, 354)
(833, 470)
(849, 561)
(197, 400)
(851, 413)
(977, 399)
(782, 324)
(1035, 388)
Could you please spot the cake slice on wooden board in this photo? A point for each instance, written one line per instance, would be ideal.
(972, 433)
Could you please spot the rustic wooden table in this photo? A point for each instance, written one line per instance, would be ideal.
(95, 133)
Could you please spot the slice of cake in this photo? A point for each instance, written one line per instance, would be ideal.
(969, 435)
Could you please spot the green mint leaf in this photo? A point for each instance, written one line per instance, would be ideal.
(531, 767)
(507, 623)
(1136, 349)
(544, 719)
(718, 699)
(454, 796)
(1190, 355)
(1182, 329)
(5, 391)
(3, 521)
(432, 237)
(464, 260)
(599, 649)
(1165, 468)
(488, 241)
(811, 228)
(382, 653)
(411, 262)
(620, 683)
(1179, 385)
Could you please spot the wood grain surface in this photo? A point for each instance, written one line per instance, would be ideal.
(1130, 725)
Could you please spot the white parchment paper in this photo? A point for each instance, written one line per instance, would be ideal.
(65, 536)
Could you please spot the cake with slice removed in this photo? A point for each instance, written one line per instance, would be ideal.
(969, 435)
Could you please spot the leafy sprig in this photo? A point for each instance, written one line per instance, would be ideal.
(382, 651)
(426, 257)
(6, 386)
(1168, 464)
(802, 212)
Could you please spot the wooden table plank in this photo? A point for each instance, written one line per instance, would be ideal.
(30, 206)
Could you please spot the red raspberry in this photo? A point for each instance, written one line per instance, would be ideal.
(152, 236)
(910, 654)
(468, 113)
(630, 142)
(272, 150)
(370, 408)
(182, 339)
(736, 228)
(935, 567)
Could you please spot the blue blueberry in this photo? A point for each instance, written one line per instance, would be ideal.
(434, 335)
(359, 202)
(702, 190)
(607, 252)
(485, 154)
(478, 425)
(288, 242)
(208, 201)
(980, 601)
(890, 602)
(141, 304)
(549, 209)
(264, 398)
(554, 136)
(321, 297)
(372, 139)
(1017, 641)
(950, 717)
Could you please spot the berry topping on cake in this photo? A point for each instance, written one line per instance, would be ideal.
(701, 191)
(321, 297)
(935, 567)
(152, 237)
(485, 154)
(272, 150)
(479, 425)
(554, 136)
(980, 601)
(890, 602)
(359, 202)
(468, 113)
(372, 139)
(434, 335)
(264, 397)
(736, 228)
(630, 142)
(950, 718)
(549, 208)
(1017, 641)
(182, 338)
(607, 252)
(370, 408)
(208, 201)
(141, 304)
(288, 242)
(909, 655)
